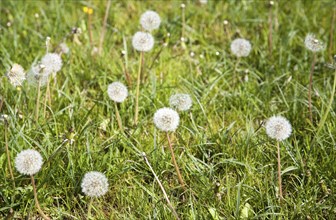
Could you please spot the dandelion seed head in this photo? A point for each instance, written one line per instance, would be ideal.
(181, 102)
(150, 20)
(241, 47)
(52, 62)
(313, 44)
(16, 75)
(38, 74)
(94, 184)
(166, 119)
(117, 92)
(143, 41)
(278, 127)
(28, 162)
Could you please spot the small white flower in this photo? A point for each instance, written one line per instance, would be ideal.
(16, 75)
(241, 47)
(203, 1)
(143, 41)
(278, 127)
(94, 184)
(52, 62)
(28, 162)
(166, 119)
(64, 48)
(150, 20)
(313, 44)
(117, 91)
(181, 102)
(38, 74)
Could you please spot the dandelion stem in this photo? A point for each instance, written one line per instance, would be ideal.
(8, 153)
(118, 117)
(235, 70)
(37, 106)
(47, 98)
(160, 184)
(175, 164)
(90, 29)
(36, 200)
(103, 31)
(89, 208)
(310, 88)
(138, 89)
(279, 171)
(125, 65)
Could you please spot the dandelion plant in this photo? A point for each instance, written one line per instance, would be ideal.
(29, 162)
(278, 128)
(240, 48)
(315, 46)
(118, 93)
(94, 184)
(142, 42)
(167, 120)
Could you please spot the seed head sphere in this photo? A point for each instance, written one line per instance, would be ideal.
(166, 119)
(28, 162)
(278, 127)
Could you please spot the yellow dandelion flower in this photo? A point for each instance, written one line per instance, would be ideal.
(88, 10)
(85, 9)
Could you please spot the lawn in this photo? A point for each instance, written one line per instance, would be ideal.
(226, 159)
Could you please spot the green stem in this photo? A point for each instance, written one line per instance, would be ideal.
(279, 172)
(118, 117)
(138, 90)
(311, 88)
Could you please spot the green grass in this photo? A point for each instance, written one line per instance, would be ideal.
(218, 140)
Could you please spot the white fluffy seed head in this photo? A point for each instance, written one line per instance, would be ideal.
(166, 119)
(150, 20)
(94, 184)
(117, 91)
(241, 47)
(143, 41)
(38, 74)
(16, 75)
(28, 162)
(313, 44)
(278, 127)
(181, 102)
(52, 62)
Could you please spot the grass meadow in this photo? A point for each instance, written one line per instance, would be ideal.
(226, 159)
